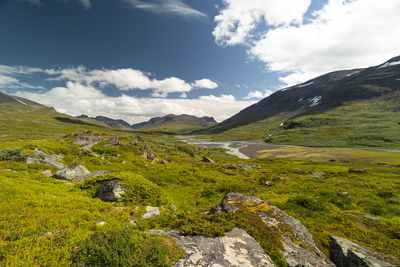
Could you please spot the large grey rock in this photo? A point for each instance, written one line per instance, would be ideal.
(298, 243)
(40, 157)
(73, 173)
(110, 190)
(345, 253)
(88, 139)
(236, 248)
(151, 212)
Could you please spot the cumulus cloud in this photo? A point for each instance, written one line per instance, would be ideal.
(259, 94)
(122, 79)
(341, 35)
(205, 83)
(75, 98)
(239, 18)
(170, 7)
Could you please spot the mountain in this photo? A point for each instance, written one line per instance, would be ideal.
(322, 93)
(176, 123)
(358, 107)
(120, 124)
(8, 99)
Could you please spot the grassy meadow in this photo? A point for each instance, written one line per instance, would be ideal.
(49, 222)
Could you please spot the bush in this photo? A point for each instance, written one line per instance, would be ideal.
(127, 248)
(11, 155)
(305, 202)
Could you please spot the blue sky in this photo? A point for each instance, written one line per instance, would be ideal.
(135, 59)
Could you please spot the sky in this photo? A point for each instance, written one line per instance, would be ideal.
(138, 59)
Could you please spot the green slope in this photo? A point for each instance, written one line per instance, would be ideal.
(373, 123)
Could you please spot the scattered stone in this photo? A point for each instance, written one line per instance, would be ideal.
(124, 161)
(114, 141)
(132, 222)
(318, 175)
(345, 253)
(164, 162)
(110, 191)
(155, 160)
(47, 173)
(208, 160)
(372, 217)
(268, 183)
(73, 172)
(236, 248)
(299, 245)
(174, 207)
(88, 139)
(151, 212)
(358, 170)
(101, 223)
(40, 157)
(3, 135)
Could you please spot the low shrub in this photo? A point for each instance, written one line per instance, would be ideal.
(127, 248)
(11, 155)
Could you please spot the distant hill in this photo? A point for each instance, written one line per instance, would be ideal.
(358, 107)
(176, 123)
(120, 124)
(8, 99)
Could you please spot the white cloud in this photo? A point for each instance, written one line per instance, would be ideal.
(342, 35)
(239, 18)
(76, 98)
(171, 7)
(183, 95)
(259, 94)
(205, 83)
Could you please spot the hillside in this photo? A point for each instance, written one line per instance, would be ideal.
(339, 95)
(120, 124)
(8, 99)
(176, 123)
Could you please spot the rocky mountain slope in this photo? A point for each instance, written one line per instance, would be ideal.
(321, 94)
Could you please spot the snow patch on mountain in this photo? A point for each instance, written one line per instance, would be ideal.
(20, 101)
(315, 101)
(388, 64)
(304, 85)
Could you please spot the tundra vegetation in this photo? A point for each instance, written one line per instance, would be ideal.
(49, 222)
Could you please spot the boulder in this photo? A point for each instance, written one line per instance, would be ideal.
(110, 190)
(88, 139)
(298, 243)
(236, 248)
(73, 172)
(208, 160)
(40, 157)
(114, 141)
(47, 173)
(345, 253)
(151, 212)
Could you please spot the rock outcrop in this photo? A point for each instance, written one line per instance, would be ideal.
(299, 248)
(236, 248)
(40, 157)
(87, 139)
(74, 173)
(151, 212)
(110, 190)
(345, 253)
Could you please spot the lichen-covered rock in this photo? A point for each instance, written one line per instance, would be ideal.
(110, 190)
(299, 248)
(236, 248)
(40, 157)
(114, 141)
(345, 253)
(88, 139)
(151, 212)
(73, 172)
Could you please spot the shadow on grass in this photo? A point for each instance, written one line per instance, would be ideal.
(73, 121)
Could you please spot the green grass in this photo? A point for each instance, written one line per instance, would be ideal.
(372, 123)
(46, 222)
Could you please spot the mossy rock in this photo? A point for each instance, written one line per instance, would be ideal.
(135, 188)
